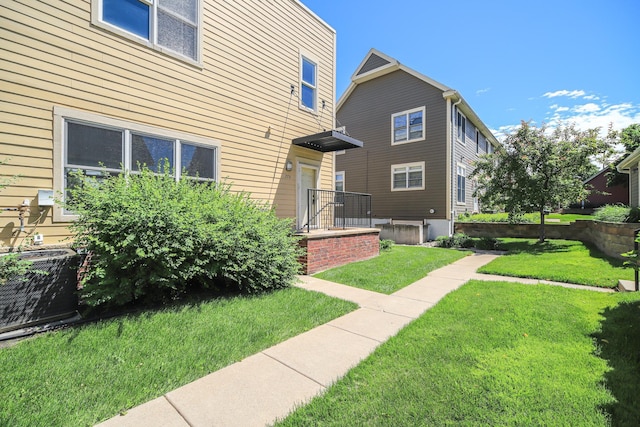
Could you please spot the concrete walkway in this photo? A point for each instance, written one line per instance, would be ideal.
(266, 386)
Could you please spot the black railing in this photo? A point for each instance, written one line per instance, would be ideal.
(337, 209)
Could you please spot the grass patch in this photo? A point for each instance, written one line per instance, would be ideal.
(393, 269)
(529, 218)
(82, 375)
(495, 353)
(567, 261)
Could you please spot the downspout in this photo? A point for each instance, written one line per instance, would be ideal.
(451, 164)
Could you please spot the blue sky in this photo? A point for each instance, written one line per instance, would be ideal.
(544, 61)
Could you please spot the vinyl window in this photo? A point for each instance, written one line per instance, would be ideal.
(409, 176)
(408, 126)
(462, 128)
(171, 26)
(461, 184)
(100, 146)
(308, 83)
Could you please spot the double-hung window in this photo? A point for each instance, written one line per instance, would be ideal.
(408, 126)
(308, 83)
(462, 184)
(168, 25)
(408, 176)
(100, 146)
(462, 128)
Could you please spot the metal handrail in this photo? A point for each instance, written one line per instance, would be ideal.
(328, 209)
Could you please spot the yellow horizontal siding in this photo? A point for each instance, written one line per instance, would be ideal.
(51, 55)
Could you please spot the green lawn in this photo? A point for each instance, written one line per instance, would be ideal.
(82, 375)
(393, 269)
(493, 354)
(558, 260)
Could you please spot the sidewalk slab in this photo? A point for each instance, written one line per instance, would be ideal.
(374, 324)
(158, 412)
(526, 281)
(253, 392)
(323, 354)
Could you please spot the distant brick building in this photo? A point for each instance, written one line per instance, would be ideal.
(616, 194)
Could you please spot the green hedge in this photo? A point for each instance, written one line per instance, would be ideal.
(151, 238)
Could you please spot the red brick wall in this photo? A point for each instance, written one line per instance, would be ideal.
(328, 251)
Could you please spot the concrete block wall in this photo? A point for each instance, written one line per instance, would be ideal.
(612, 239)
(333, 249)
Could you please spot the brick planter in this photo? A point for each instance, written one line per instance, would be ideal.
(330, 249)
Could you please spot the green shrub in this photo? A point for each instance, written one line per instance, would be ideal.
(12, 265)
(386, 244)
(151, 238)
(458, 240)
(617, 213)
(528, 218)
(485, 243)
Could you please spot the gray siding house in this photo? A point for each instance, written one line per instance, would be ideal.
(421, 141)
(630, 165)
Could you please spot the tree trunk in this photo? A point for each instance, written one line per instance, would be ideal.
(541, 239)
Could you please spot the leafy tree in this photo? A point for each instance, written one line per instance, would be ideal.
(629, 137)
(536, 170)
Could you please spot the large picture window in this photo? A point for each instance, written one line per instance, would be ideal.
(98, 145)
(408, 126)
(409, 176)
(169, 25)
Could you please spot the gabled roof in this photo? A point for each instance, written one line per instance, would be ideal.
(376, 64)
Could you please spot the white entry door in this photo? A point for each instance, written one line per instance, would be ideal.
(308, 179)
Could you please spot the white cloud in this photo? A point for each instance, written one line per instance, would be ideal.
(561, 109)
(591, 98)
(586, 108)
(482, 91)
(570, 94)
(589, 116)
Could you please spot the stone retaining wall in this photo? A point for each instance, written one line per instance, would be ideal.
(611, 238)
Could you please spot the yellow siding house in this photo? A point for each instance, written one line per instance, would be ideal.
(219, 87)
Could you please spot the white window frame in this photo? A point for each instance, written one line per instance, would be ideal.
(406, 113)
(460, 167)
(304, 56)
(406, 166)
(62, 115)
(461, 128)
(335, 185)
(96, 19)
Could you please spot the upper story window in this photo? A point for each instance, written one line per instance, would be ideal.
(408, 126)
(481, 143)
(339, 181)
(168, 25)
(408, 176)
(97, 145)
(462, 127)
(308, 83)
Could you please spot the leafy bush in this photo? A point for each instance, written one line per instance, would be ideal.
(485, 243)
(386, 244)
(12, 265)
(528, 218)
(617, 213)
(151, 238)
(458, 240)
